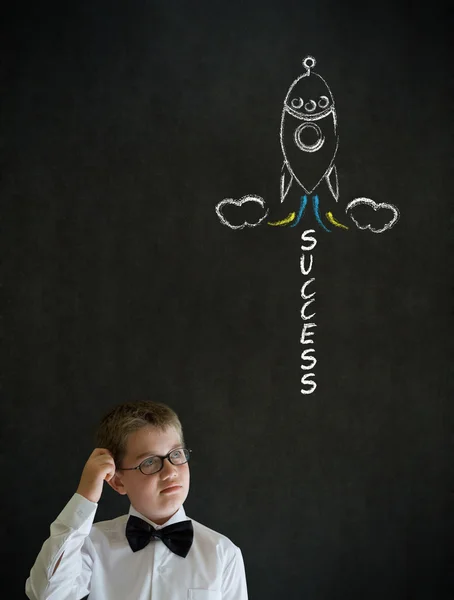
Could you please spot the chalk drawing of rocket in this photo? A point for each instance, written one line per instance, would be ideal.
(309, 142)
(309, 138)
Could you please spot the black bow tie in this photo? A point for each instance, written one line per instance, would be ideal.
(177, 537)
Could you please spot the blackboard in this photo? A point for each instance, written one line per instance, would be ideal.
(124, 125)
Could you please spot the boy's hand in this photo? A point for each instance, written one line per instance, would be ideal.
(99, 467)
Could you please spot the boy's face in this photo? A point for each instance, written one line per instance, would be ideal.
(147, 492)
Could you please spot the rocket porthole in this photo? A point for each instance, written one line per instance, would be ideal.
(323, 102)
(309, 137)
(310, 106)
(297, 103)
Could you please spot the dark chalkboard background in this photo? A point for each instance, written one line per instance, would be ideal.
(123, 124)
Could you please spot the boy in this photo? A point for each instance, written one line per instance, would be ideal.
(155, 552)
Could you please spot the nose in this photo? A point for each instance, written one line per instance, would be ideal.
(168, 470)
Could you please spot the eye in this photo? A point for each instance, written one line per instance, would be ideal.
(310, 106)
(177, 454)
(148, 462)
(297, 103)
(323, 101)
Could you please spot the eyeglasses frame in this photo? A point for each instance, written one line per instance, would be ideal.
(162, 461)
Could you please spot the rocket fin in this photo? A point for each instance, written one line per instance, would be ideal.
(286, 181)
(332, 181)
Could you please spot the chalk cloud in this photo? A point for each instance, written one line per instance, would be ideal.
(384, 208)
(248, 200)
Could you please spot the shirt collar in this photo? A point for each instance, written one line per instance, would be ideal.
(180, 515)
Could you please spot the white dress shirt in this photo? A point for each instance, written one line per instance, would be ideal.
(97, 560)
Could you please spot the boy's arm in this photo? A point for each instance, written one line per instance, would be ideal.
(234, 579)
(62, 570)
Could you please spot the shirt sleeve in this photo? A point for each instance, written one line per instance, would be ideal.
(69, 540)
(234, 579)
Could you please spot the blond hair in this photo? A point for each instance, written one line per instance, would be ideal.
(117, 424)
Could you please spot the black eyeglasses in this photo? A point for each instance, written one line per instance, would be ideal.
(153, 464)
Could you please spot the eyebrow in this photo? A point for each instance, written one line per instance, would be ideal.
(145, 454)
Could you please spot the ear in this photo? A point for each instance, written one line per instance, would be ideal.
(117, 484)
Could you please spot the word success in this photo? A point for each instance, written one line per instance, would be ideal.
(308, 354)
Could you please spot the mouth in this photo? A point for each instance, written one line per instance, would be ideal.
(172, 489)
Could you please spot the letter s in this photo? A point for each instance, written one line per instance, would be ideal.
(308, 238)
(306, 381)
(311, 359)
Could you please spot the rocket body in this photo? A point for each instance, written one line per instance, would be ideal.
(309, 131)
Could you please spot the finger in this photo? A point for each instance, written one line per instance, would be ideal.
(107, 463)
(101, 452)
(106, 467)
(109, 474)
(103, 458)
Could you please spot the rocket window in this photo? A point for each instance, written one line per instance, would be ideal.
(297, 103)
